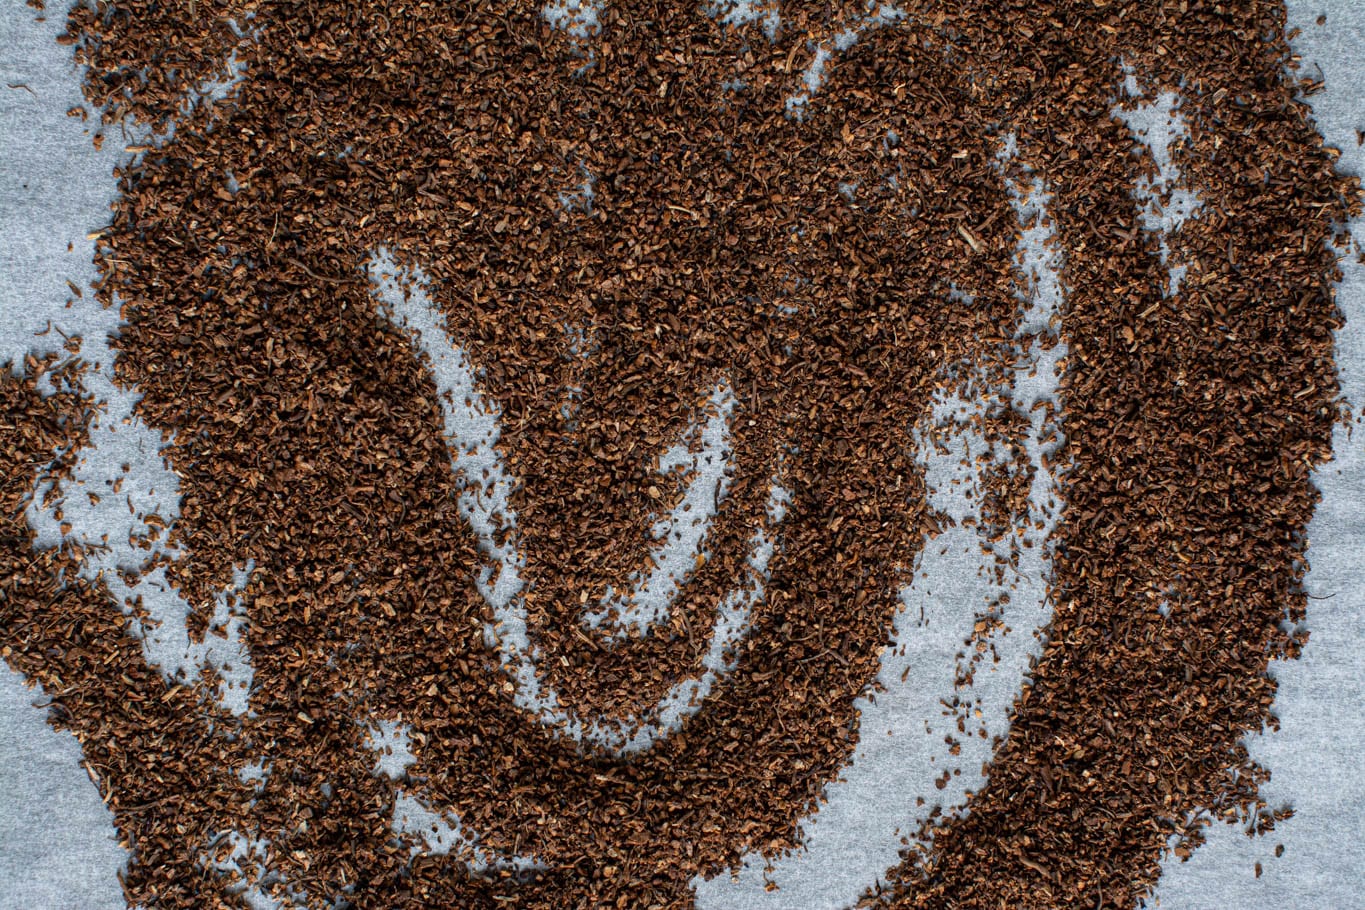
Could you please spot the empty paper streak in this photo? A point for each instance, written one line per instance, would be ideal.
(1314, 858)
(120, 501)
(865, 824)
(813, 77)
(472, 432)
(682, 533)
(119, 504)
(1164, 201)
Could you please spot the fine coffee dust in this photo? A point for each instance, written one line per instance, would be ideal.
(716, 244)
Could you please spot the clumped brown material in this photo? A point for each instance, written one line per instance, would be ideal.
(718, 243)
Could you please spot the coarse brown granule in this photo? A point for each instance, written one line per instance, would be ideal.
(717, 244)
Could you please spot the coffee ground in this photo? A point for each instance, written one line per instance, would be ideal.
(716, 244)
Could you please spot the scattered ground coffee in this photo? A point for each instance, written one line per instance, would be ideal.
(806, 207)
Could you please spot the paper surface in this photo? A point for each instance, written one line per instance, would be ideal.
(57, 842)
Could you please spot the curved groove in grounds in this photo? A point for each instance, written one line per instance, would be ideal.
(472, 430)
(862, 829)
(682, 533)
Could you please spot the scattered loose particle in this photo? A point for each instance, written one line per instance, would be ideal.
(621, 203)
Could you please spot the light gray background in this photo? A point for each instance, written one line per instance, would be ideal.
(56, 838)
(1316, 757)
(57, 847)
